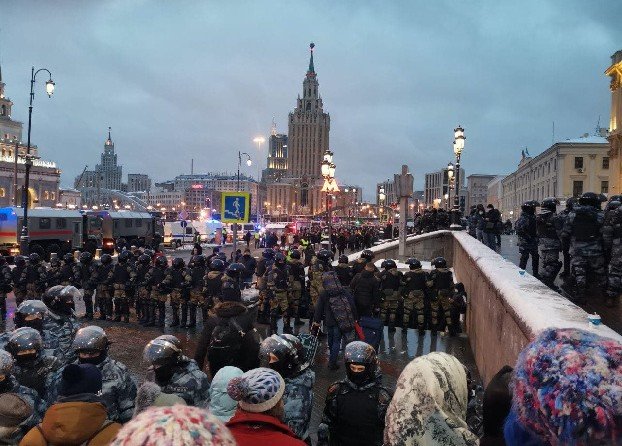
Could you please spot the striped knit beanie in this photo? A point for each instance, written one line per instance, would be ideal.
(257, 390)
(174, 426)
(567, 388)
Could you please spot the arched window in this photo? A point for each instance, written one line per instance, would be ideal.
(304, 194)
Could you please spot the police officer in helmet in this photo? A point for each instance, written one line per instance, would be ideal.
(356, 406)
(174, 372)
(118, 388)
(286, 354)
(583, 230)
(32, 365)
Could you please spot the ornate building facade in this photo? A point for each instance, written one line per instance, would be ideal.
(44, 175)
(615, 123)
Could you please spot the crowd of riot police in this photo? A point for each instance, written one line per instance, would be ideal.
(588, 238)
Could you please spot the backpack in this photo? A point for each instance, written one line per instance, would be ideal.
(226, 341)
(105, 424)
(339, 302)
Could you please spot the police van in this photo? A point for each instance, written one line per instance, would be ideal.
(178, 233)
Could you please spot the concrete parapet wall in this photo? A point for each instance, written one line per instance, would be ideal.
(506, 309)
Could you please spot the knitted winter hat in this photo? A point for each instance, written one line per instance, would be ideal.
(13, 409)
(567, 387)
(257, 390)
(150, 394)
(80, 378)
(174, 426)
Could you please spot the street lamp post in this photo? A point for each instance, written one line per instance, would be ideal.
(458, 148)
(328, 172)
(259, 140)
(49, 89)
(237, 189)
(450, 178)
(381, 196)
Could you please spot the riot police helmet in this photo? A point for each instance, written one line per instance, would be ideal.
(86, 257)
(268, 253)
(20, 261)
(388, 264)
(413, 263)
(60, 299)
(279, 259)
(367, 254)
(149, 252)
(30, 313)
(217, 265)
(295, 254)
(571, 202)
(222, 256)
(171, 338)
(6, 364)
(105, 259)
(439, 262)
(550, 204)
(25, 343)
(54, 262)
(199, 260)
(613, 205)
(279, 354)
(235, 270)
(297, 347)
(178, 263)
(144, 259)
(590, 199)
(530, 206)
(91, 344)
(34, 258)
(161, 352)
(123, 256)
(616, 198)
(324, 255)
(361, 362)
(161, 262)
(68, 258)
(343, 259)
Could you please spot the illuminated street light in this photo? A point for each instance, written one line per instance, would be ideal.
(458, 148)
(49, 89)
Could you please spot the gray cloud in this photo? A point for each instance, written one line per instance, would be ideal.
(193, 79)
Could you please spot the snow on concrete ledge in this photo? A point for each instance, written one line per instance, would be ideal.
(535, 305)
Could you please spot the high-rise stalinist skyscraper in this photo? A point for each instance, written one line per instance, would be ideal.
(299, 191)
(309, 128)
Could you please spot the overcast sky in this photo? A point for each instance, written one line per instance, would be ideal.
(194, 79)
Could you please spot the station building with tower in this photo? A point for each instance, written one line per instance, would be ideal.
(44, 174)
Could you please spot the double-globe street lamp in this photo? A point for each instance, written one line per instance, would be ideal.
(458, 148)
(249, 162)
(49, 89)
(328, 172)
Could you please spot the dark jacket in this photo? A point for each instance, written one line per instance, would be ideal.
(250, 264)
(323, 310)
(249, 352)
(367, 295)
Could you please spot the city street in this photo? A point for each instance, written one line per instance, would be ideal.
(396, 349)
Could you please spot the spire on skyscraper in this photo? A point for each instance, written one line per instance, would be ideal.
(273, 128)
(109, 140)
(311, 71)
